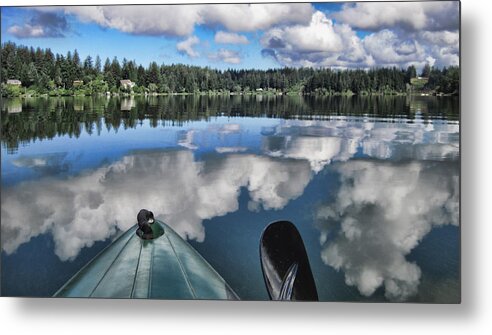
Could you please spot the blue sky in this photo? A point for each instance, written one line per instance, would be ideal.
(338, 35)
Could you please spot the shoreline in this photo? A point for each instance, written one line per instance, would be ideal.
(232, 94)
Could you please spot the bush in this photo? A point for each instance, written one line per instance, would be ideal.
(11, 90)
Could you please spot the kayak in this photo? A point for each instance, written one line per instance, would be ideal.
(165, 267)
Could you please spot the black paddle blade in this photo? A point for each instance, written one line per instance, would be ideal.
(285, 263)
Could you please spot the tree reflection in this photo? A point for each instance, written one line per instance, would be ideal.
(32, 119)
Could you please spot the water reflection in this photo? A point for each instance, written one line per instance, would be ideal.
(81, 210)
(386, 175)
(321, 142)
(13, 105)
(381, 212)
(25, 120)
(127, 104)
(44, 165)
(384, 206)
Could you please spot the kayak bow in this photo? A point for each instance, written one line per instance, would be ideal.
(166, 267)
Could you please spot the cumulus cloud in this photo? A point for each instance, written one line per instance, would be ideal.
(444, 46)
(226, 56)
(388, 49)
(223, 37)
(381, 213)
(186, 47)
(180, 20)
(321, 43)
(183, 192)
(432, 38)
(442, 38)
(318, 36)
(412, 16)
(408, 33)
(41, 25)
(251, 17)
(140, 20)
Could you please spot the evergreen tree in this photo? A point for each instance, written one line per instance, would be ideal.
(76, 58)
(153, 74)
(97, 65)
(426, 71)
(411, 73)
(88, 64)
(116, 71)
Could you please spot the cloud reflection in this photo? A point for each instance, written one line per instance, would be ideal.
(83, 209)
(45, 165)
(381, 212)
(323, 142)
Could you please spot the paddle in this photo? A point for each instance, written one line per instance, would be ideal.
(285, 263)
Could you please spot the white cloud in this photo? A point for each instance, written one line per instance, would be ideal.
(183, 192)
(381, 213)
(318, 36)
(41, 24)
(187, 46)
(442, 38)
(223, 37)
(180, 20)
(251, 17)
(445, 56)
(387, 48)
(226, 56)
(433, 37)
(444, 46)
(390, 48)
(412, 16)
(321, 43)
(295, 34)
(26, 31)
(141, 19)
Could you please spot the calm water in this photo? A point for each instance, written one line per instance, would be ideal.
(371, 183)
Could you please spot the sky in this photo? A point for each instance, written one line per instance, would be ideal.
(243, 36)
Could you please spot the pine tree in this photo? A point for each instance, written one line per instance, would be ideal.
(97, 65)
(426, 71)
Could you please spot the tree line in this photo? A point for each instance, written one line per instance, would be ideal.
(43, 72)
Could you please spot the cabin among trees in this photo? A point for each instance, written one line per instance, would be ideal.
(127, 84)
(14, 82)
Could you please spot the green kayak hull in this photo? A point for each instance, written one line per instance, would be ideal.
(166, 267)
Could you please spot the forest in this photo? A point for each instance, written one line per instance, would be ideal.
(31, 72)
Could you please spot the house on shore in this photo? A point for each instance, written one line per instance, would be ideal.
(127, 84)
(77, 83)
(14, 82)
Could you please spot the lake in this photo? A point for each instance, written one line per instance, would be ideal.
(372, 184)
